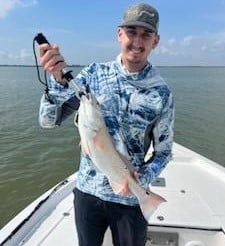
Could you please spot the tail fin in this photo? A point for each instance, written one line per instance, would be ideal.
(149, 204)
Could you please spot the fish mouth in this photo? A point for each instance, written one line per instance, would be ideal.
(76, 119)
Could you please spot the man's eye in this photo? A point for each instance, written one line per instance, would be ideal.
(148, 35)
(131, 32)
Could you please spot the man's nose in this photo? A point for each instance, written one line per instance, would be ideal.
(137, 41)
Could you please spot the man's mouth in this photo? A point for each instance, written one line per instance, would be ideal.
(136, 51)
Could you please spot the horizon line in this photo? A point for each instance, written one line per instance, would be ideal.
(79, 65)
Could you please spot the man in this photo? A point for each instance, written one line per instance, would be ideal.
(137, 106)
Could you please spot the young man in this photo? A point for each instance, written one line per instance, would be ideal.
(137, 106)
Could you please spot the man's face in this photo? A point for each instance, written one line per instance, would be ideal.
(136, 44)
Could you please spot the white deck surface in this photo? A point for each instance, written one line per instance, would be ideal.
(194, 189)
(194, 186)
(59, 227)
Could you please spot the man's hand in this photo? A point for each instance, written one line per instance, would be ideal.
(125, 191)
(52, 61)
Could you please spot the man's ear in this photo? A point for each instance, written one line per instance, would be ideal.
(156, 41)
(119, 32)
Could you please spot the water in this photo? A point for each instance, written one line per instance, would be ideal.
(33, 159)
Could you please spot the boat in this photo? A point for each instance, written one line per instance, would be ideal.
(194, 214)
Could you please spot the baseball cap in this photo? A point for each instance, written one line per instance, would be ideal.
(142, 15)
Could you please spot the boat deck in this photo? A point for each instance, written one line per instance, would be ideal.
(59, 227)
(193, 186)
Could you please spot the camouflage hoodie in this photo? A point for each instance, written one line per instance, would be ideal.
(138, 109)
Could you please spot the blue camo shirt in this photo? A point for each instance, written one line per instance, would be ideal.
(137, 108)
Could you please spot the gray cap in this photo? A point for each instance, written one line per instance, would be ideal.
(142, 15)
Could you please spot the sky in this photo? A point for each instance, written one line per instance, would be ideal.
(191, 32)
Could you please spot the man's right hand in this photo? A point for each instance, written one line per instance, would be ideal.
(52, 61)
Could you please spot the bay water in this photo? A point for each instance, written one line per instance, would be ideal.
(33, 159)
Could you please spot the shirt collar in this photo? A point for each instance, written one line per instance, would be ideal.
(135, 75)
(146, 78)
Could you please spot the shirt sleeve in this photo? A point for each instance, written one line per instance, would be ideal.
(63, 103)
(162, 143)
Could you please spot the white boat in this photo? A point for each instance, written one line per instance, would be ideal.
(194, 215)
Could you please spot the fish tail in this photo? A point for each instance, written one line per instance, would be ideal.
(149, 203)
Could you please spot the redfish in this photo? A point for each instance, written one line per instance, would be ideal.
(98, 144)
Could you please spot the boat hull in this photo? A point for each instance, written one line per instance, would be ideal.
(193, 216)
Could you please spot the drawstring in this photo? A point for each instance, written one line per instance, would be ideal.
(45, 82)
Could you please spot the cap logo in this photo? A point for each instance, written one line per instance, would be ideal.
(147, 13)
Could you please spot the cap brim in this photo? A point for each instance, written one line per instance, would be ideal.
(138, 23)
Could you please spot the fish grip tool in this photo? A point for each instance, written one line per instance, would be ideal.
(67, 75)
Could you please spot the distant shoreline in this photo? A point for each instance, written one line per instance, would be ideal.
(197, 66)
(15, 65)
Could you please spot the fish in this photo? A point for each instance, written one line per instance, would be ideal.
(98, 144)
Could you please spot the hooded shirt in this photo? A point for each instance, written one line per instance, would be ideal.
(138, 110)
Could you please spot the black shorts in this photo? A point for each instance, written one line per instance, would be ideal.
(93, 216)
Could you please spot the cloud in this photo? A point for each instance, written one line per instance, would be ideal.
(22, 56)
(201, 49)
(187, 40)
(171, 41)
(9, 5)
